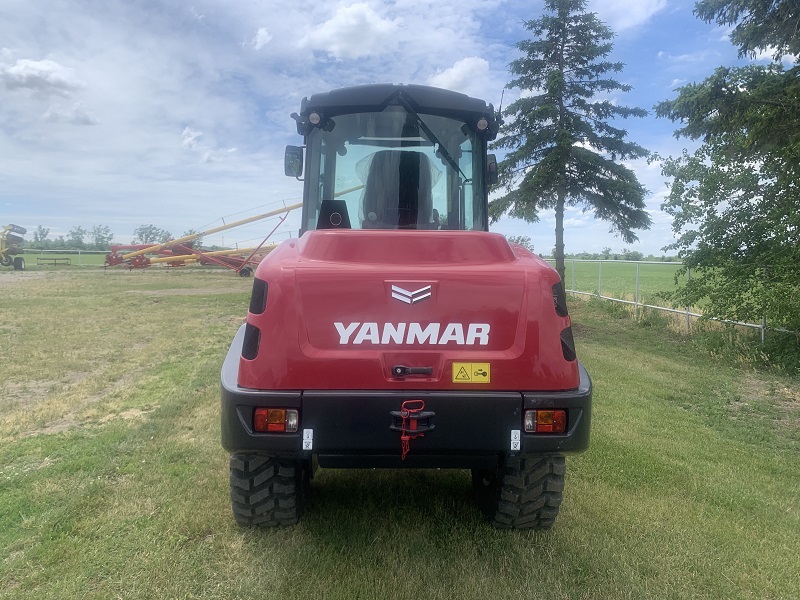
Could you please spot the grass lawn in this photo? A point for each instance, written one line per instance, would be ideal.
(113, 483)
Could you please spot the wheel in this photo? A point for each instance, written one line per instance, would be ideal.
(19, 263)
(245, 272)
(267, 490)
(524, 494)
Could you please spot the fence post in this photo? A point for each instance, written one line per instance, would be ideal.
(688, 318)
(599, 277)
(573, 278)
(636, 306)
(763, 329)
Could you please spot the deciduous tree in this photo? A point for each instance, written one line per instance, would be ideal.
(40, 234)
(75, 237)
(101, 237)
(150, 234)
(735, 201)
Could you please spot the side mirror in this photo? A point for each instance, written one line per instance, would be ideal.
(491, 169)
(293, 161)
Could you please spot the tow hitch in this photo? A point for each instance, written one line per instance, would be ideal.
(412, 421)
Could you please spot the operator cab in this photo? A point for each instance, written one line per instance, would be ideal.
(394, 157)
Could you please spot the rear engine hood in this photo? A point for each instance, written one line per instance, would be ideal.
(346, 309)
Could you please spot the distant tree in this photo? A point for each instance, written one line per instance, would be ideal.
(196, 242)
(40, 234)
(562, 150)
(522, 240)
(150, 234)
(631, 254)
(75, 237)
(735, 201)
(101, 237)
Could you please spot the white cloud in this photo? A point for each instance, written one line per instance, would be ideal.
(700, 56)
(190, 138)
(354, 31)
(74, 115)
(46, 76)
(624, 14)
(261, 39)
(464, 76)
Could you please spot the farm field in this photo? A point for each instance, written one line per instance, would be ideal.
(113, 483)
(618, 279)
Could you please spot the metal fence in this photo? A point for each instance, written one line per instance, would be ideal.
(637, 302)
(80, 253)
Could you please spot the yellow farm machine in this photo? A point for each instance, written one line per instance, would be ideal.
(11, 244)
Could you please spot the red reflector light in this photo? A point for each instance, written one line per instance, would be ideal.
(277, 420)
(545, 421)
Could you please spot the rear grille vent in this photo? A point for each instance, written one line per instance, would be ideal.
(560, 300)
(258, 300)
(568, 344)
(252, 338)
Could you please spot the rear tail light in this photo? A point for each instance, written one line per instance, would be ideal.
(275, 420)
(545, 421)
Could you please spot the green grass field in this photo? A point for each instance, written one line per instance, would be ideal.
(113, 483)
(618, 279)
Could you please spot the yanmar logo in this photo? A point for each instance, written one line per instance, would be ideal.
(382, 334)
(409, 297)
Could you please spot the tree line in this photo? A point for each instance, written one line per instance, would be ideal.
(98, 237)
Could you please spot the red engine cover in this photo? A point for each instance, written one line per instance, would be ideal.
(344, 307)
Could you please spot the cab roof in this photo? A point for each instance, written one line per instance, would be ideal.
(376, 97)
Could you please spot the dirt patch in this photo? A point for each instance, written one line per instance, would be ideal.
(783, 400)
(13, 277)
(22, 467)
(128, 415)
(33, 392)
(71, 422)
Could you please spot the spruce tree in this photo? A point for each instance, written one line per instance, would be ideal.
(562, 146)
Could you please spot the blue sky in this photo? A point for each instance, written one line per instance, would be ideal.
(131, 112)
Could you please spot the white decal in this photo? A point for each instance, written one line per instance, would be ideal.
(515, 441)
(392, 334)
(454, 332)
(368, 332)
(478, 331)
(308, 439)
(418, 335)
(345, 332)
(413, 333)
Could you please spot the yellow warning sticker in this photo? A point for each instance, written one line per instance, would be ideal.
(471, 372)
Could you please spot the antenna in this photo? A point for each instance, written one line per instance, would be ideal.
(500, 110)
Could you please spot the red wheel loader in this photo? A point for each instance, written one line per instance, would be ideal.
(397, 331)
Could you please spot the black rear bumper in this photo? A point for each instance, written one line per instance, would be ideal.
(352, 428)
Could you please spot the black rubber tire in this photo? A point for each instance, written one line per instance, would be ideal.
(524, 494)
(245, 272)
(266, 490)
(19, 263)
